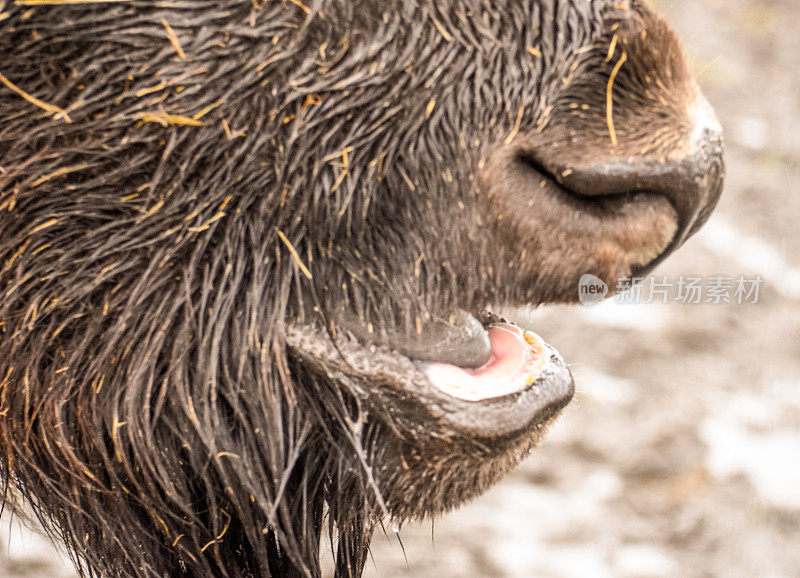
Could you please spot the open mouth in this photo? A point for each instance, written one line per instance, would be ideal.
(516, 360)
(479, 375)
(522, 383)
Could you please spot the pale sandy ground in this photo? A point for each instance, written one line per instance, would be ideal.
(681, 454)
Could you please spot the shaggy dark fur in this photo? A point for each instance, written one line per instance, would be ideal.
(185, 184)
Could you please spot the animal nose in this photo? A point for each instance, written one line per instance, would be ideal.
(690, 176)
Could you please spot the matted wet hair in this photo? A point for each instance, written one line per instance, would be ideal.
(178, 179)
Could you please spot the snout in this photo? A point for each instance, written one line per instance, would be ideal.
(690, 177)
(617, 174)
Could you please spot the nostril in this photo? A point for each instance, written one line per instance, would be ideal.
(576, 203)
(690, 176)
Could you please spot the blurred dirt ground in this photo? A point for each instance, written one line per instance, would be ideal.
(680, 456)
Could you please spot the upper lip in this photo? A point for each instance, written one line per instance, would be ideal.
(457, 338)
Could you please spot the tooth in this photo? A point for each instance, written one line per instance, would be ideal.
(537, 347)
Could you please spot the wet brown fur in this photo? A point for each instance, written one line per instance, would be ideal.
(267, 162)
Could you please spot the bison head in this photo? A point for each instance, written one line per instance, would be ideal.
(250, 250)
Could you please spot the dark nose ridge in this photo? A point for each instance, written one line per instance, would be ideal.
(691, 178)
